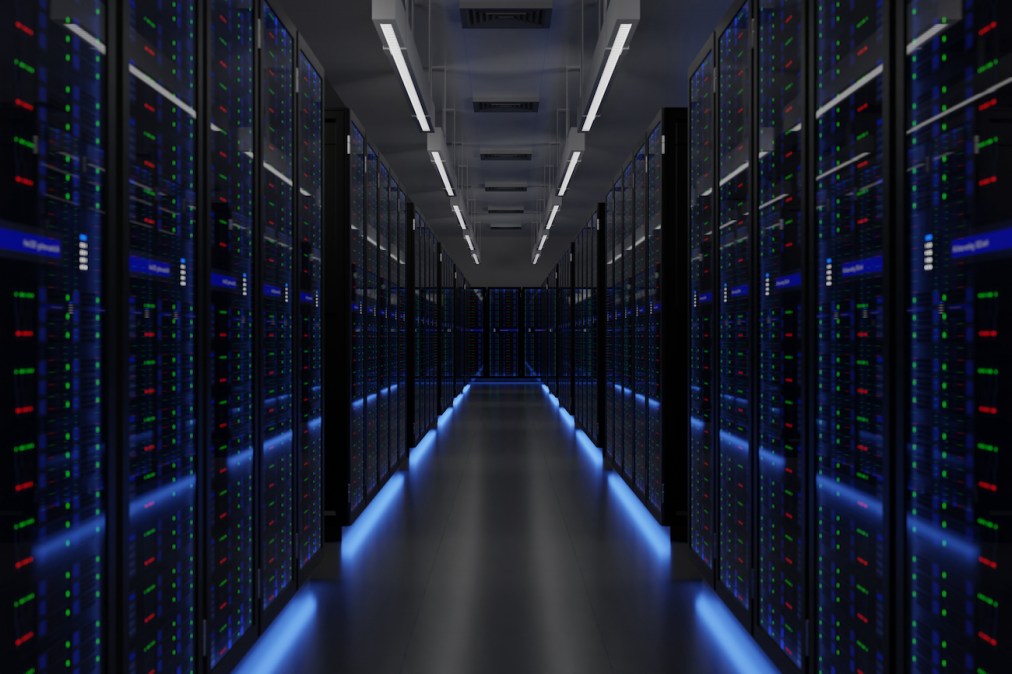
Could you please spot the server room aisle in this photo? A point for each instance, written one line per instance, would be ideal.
(505, 548)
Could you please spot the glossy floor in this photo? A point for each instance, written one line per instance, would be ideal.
(505, 548)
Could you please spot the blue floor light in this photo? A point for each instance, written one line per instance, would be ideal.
(656, 536)
(355, 536)
(728, 636)
(277, 648)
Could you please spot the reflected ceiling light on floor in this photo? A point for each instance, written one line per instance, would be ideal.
(620, 21)
(437, 148)
(572, 151)
(391, 20)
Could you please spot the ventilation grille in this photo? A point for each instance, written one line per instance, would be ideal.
(504, 187)
(505, 210)
(504, 227)
(536, 18)
(506, 155)
(493, 105)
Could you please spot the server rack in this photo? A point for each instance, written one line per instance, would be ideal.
(57, 250)
(474, 303)
(504, 312)
(447, 316)
(644, 272)
(229, 479)
(587, 309)
(702, 210)
(954, 497)
(561, 332)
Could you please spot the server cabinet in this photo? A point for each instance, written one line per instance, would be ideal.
(959, 243)
(851, 407)
(588, 301)
(561, 335)
(160, 454)
(503, 332)
(426, 373)
(309, 452)
(782, 466)
(474, 333)
(610, 341)
(702, 277)
(276, 336)
(230, 554)
(735, 315)
(56, 251)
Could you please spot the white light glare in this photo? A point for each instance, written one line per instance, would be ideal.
(573, 161)
(460, 216)
(442, 173)
(402, 69)
(475, 256)
(537, 257)
(542, 244)
(609, 69)
(467, 237)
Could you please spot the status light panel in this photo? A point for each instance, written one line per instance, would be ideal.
(230, 482)
(735, 303)
(161, 394)
(781, 427)
(277, 225)
(850, 452)
(356, 461)
(310, 458)
(960, 248)
(51, 376)
(702, 490)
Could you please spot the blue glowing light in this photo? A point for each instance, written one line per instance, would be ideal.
(590, 450)
(567, 418)
(355, 536)
(421, 450)
(274, 651)
(729, 637)
(656, 536)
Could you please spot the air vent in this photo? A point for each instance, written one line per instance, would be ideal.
(505, 187)
(506, 154)
(505, 210)
(473, 16)
(505, 227)
(506, 105)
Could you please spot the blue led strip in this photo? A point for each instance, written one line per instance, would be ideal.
(852, 559)
(54, 459)
(736, 315)
(277, 323)
(959, 88)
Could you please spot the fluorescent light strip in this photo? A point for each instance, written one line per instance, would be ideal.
(475, 256)
(961, 105)
(460, 216)
(573, 161)
(609, 69)
(442, 173)
(537, 256)
(542, 244)
(402, 69)
(823, 176)
(849, 91)
(551, 218)
(467, 237)
(733, 174)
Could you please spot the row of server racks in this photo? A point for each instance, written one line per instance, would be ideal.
(396, 305)
(612, 303)
(849, 490)
(160, 234)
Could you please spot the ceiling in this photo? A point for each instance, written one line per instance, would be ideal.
(516, 64)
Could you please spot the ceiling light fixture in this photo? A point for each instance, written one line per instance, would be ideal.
(436, 146)
(551, 218)
(391, 20)
(460, 216)
(572, 151)
(475, 256)
(537, 256)
(620, 21)
(541, 245)
(467, 237)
